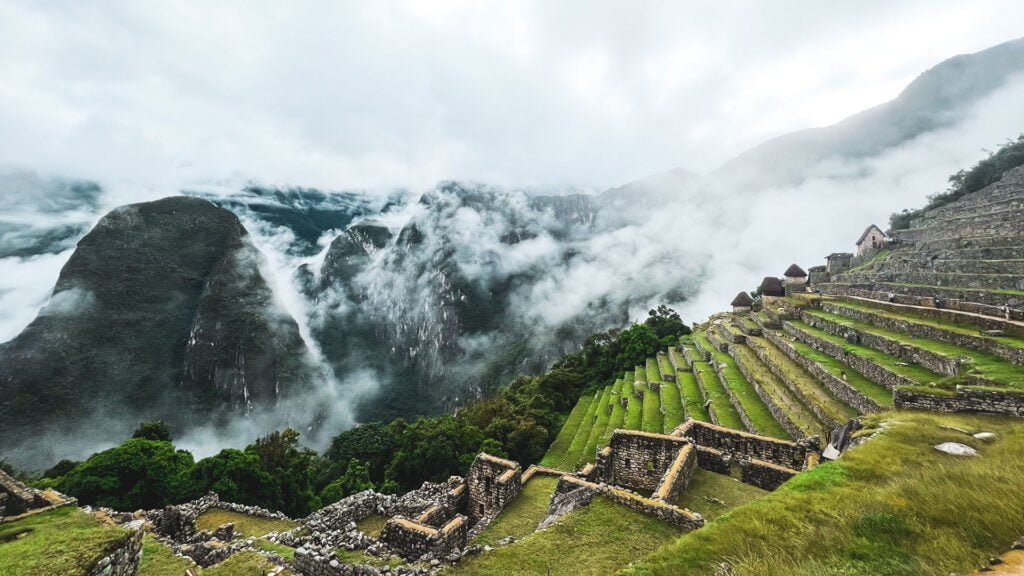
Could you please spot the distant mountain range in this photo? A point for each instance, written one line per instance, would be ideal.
(320, 308)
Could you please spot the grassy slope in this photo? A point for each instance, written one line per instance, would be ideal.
(521, 517)
(706, 489)
(691, 396)
(556, 452)
(159, 560)
(64, 541)
(635, 410)
(783, 397)
(720, 402)
(653, 421)
(603, 417)
(596, 540)
(579, 440)
(893, 506)
(673, 404)
(618, 417)
(244, 524)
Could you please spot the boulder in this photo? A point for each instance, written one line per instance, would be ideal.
(956, 449)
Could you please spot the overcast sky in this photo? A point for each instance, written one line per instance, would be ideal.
(381, 93)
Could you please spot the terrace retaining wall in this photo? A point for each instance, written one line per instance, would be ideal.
(741, 444)
(870, 370)
(124, 560)
(965, 400)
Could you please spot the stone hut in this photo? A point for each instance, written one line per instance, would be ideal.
(795, 276)
(771, 287)
(742, 302)
(871, 240)
(817, 275)
(838, 262)
(493, 482)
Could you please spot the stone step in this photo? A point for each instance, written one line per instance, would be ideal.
(976, 242)
(979, 317)
(1008, 200)
(1007, 348)
(1013, 282)
(995, 298)
(1009, 223)
(880, 368)
(900, 264)
(786, 407)
(807, 388)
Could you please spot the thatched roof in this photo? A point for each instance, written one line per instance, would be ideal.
(795, 271)
(868, 231)
(742, 299)
(772, 286)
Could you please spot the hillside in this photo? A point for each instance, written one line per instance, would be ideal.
(160, 312)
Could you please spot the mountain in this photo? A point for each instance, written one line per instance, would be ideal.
(159, 313)
(235, 301)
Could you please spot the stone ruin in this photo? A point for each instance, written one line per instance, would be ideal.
(18, 500)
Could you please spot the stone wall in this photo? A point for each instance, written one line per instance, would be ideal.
(993, 317)
(872, 371)
(963, 400)
(938, 363)
(19, 498)
(674, 515)
(977, 342)
(838, 386)
(639, 460)
(678, 475)
(743, 445)
(493, 482)
(780, 415)
(764, 475)
(714, 460)
(124, 560)
(322, 562)
(412, 540)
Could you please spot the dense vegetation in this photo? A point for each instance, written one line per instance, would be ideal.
(276, 472)
(984, 173)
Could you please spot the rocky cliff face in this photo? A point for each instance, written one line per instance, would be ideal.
(160, 313)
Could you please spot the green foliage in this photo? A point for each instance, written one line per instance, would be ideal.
(984, 173)
(137, 474)
(155, 430)
(61, 541)
(237, 476)
(356, 479)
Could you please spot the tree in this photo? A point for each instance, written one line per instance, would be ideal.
(356, 479)
(155, 430)
(237, 476)
(292, 468)
(140, 473)
(374, 442)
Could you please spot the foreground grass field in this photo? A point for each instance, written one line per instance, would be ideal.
(64, 541)
(894, 506)
(593, 541)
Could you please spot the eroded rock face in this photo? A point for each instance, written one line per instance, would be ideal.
(160, 312)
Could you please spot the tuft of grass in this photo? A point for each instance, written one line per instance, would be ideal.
(358, 557)
(286, 552)
(159, 560)
(893, 505)
(520, 518)
(372, 525)
(64, 541)
(592, 541)
(244, 524)
(246, 563)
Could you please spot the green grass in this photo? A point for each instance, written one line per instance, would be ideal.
(747, 322)
(635, 410)
(598, 430)
(244, 524)
(747, 397)
(520, 518)
(964, 290)
(679, 358)
(653, 421)
(653, 374)
(712, 495)
(692, 400)
(579, 440)
(916, 373)
(640, 374)
(286, 552)
(159, 560)
(64, 541)
(807, 387)
(246, 563)
(372, 525)
(595, 540)
(983, 364)
(798, 414)
(673, 404)
(880, 394)
(556, 452)
(892, 506)
(618, 417)
(725, 412)
(665, 366)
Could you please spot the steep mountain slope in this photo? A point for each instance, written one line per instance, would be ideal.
(160, 312)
